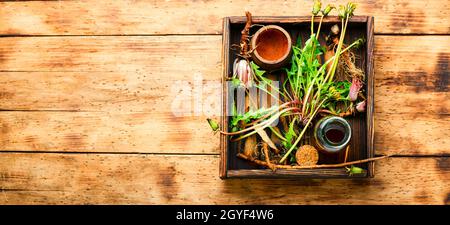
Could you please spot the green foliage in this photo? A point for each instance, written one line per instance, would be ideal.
(328, 9)
(309, 81)
(257, 70)
(305, 66)
(235, 82)
(248, 116)
(346, 11)
(354, 170)
(309, 86)
(290, 135)
(316, 7)
(337, 91)
(213, 124)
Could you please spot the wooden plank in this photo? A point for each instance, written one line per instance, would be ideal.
(135, 91)
(412, 74)
(193, 179)
(223, 146)
(412, 108)
(193, 17)
(370, 87)
(406, 134)
(105, 132)
(171, 56)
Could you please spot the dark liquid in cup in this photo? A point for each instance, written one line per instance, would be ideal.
(335, 135)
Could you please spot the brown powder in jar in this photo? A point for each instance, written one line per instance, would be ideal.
(272, 44)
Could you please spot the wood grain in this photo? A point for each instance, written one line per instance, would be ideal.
(114, 94)
(412, 75)
(136, 83)
(223, 144)
(406, 134)
(156, 56)
(158, 179)
(193, 17)
(105, 132)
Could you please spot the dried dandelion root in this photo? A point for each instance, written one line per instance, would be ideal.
(250, 146)
(262, 163)
(346, 153)
(307, 155)
(266, 156)
(245, 35)
(347, 63)
(251, 159)
(327, 56)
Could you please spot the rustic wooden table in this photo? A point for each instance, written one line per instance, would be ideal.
(86, 94)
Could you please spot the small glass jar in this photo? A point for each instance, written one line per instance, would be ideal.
(332, 134)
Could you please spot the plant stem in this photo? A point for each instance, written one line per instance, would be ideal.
(301, 134)
(338, 51)
(297, 89)
(286, 91)
(316, 38)
(337, 54)
(270, 112)
(269, 92)
(305, 99)
(261, 125)
(266, 81)
(350, 46)
(256, 130)
(277, 134)
(318, 29)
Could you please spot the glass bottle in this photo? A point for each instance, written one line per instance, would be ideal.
(332, 134)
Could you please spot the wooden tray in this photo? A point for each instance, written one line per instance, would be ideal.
(361, 144)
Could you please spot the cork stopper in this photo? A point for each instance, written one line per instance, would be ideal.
(307, 155)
